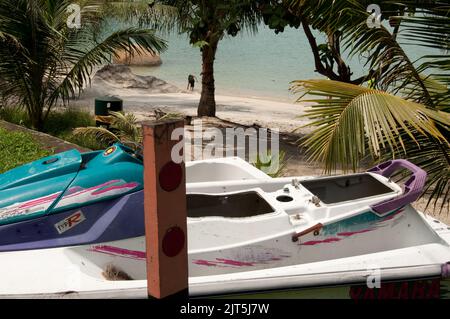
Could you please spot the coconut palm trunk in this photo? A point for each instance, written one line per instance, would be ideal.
(36, 118)
(207, 104)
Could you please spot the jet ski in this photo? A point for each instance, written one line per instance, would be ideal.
(75, 198)
(42, 202)
(77, 215)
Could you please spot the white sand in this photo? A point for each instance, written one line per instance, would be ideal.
(241, 110)
(143, 94)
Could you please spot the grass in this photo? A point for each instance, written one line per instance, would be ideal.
(17, 148)
(59, 123)
(14, 115)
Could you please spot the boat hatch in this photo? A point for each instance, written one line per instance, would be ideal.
(346, 188)
(240, 205)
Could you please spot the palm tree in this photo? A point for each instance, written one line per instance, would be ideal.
(405, 114)
(207, 22)
(124, 128)
(44, 62)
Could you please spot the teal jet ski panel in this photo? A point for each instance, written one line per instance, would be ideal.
(107, 175)
(68, 180)
(30, 190)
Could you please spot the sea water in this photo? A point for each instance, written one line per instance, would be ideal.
(251, 65)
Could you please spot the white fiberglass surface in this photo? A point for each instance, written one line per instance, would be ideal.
(227, 169)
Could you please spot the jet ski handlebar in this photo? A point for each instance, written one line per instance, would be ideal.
(412, 188)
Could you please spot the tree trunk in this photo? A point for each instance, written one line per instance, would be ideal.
(35, 116)
(207, 105)
(37, 123)
(344, 74)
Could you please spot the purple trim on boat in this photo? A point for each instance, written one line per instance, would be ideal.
(445, 270)
(106, 221)
(412, 189)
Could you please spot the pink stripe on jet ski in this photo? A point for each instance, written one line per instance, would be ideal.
(82, 190)
(117, 251)
(105, 190)
(202, 262)
(233, 262)
(222, 262)
(39, 201)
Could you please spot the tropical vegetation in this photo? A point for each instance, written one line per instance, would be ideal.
(405, 112)
(44, 62)
(267, 162)
(123, 128)
(206, 23)
(398, 108)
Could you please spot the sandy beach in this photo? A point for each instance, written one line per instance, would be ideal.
(142, 95)
(244, 111)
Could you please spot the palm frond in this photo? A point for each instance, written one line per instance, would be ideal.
(144, 13)
(224, 15)
(357, 119)
(434, 157)
(271, 164)
(432, 31)
(126, 126)
(83, 54)
(42, 61)
(100, 134)
(390, 66)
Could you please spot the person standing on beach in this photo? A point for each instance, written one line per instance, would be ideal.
(191, 82)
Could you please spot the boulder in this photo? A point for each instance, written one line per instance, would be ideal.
(120, 78)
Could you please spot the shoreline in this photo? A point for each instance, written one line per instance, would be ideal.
(256, 95)
(240, 110)
(273, 95)
(144, 94)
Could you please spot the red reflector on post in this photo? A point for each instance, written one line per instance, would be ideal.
(170, 176)
(173, 241)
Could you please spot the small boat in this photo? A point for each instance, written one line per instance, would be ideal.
(77, 215)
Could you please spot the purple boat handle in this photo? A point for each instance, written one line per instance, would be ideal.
(412, 188)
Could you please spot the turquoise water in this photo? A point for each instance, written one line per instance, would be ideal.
(260, 65)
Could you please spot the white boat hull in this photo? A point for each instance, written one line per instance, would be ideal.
(78, 272)
(248, 233)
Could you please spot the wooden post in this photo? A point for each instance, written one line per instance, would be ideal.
(165, 212)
